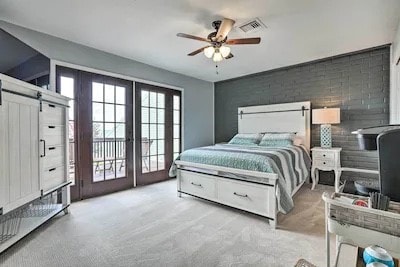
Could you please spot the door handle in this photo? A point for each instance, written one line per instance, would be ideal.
(44, 148)
(240, 195)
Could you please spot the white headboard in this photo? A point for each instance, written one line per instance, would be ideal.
(288, 117)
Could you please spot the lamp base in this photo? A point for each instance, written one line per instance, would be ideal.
(326, 136)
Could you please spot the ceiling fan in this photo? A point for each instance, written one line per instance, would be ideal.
(217, 48)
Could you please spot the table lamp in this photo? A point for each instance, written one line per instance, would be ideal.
(326, 117)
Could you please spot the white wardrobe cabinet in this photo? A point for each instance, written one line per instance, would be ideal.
(33, 158)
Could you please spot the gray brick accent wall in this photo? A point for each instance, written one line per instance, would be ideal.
(358, 83)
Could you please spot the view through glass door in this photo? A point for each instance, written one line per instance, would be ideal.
(100, 132)
(67, 85)
(158, 131)
(107, 148)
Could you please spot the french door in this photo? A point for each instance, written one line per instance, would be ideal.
(101, 132)
(158, 131)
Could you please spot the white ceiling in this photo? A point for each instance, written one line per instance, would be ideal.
(143, 30)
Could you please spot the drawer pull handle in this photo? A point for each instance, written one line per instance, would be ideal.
(52, 127)
(52, 169)
(324, 162)
(199, 185)
(52, 106)
(52, 148)
(240, 195)
(324, 155)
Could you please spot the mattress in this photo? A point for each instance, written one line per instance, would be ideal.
(291, 164)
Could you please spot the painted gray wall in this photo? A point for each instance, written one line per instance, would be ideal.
(357, 83)
(34, 67)
(198, 94)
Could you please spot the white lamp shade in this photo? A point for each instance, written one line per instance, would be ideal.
(209, 51)
(225, 51)
(326, 116)
(217, 57)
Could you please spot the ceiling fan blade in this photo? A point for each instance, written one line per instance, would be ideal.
(224, 29)
(197, 51)
(256, 40)
(229, 56)
(184, 35)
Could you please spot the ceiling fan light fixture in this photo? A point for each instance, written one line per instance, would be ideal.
(225, 51)
(217, 56)
(209, 51)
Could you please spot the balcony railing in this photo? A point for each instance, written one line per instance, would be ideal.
(108, 149)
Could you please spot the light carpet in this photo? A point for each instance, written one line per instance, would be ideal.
(151, 226)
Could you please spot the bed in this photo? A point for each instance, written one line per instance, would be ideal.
(260, 180)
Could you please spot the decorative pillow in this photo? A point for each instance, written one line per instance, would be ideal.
(245, 139)
(277, 139)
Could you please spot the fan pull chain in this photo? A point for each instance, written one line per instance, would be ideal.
(216, 69)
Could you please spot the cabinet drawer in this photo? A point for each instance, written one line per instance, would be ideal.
(250, 197)
(324, 163)
(323, 155)
(198, 184)
(53, 177)
(52, 114)
(54, 140)
(52, 130)
(54, 157)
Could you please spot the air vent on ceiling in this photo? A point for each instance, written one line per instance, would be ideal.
(252, 26)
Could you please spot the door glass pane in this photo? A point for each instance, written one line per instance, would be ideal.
(153, 148)
(176, 145)
(97, 92)
(153, 163)
(120, 131)
(176, 131)
(153, 99)
(109, 131)
(119, 95)
(109, 112)
(160, 147)
(153, 115)
(153, 131)
(160, 131)
(160, 100)
(161, 115)
(109, 93)
(97, 111)
(145, 131)
(145, 164)
(176, 116)
(120, 113)
(98, 131)
(145, 98)
(120, 168)
(67, 88)
(161, 163)
(177, 126)
(145, 115)
(177, 104)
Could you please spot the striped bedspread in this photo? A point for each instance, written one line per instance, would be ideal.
(291, 164)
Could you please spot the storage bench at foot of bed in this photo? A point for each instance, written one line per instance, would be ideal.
(253, 197)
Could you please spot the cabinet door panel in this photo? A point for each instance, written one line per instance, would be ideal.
(4, 160)
(20, 158)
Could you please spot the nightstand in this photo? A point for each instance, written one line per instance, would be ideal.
(325, 159)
